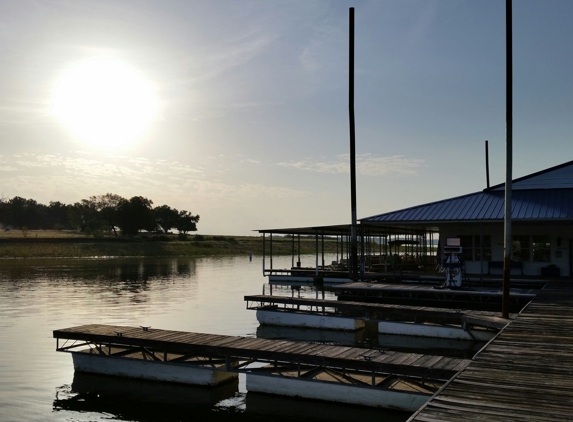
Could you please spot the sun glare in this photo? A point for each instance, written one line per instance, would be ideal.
(105, 102)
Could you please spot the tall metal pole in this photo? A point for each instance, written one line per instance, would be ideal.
(353, 234)
(508, 159)
(487, 164)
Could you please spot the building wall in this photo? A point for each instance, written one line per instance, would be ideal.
(559, 254)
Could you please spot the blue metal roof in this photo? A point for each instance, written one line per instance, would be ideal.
(533, 204)
(543, 196)
(558, 177)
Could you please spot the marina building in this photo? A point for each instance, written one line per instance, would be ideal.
(542, 224)
(542, 231)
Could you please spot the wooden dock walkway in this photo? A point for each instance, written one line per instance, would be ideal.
(179, 346)
(523, 374)
(376, 311)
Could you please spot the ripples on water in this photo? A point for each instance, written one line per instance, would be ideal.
(199, 295)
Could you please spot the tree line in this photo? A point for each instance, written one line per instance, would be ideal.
(97, 214)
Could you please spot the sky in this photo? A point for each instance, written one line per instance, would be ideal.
(242, 105)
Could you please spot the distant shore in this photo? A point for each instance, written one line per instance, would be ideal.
(52, 243)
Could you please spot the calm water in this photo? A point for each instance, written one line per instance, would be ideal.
(201, 295)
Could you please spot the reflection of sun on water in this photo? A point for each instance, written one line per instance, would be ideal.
(105, 102)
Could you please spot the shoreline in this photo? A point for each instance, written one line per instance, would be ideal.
(72, 245)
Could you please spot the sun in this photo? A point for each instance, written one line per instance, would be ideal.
(105, 102)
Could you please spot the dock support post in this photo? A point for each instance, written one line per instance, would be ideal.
(292, 254)
(353, 241)
(316, 248)
(271, 252)
(322, 249)
(298, 262)
(264, 257)
(508, 158)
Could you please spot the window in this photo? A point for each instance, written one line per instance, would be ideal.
(471, 247)
(485, 247)
(521, 249)
(541, 248)
(467, 247)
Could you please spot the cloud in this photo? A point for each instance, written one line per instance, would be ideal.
(56, 177)
(366, 164)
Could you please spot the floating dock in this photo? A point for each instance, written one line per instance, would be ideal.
(476, 298)
(390, 319)
(523, 374)
(354, 375)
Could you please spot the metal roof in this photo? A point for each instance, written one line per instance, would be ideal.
(533, 204)
(341, 229)
(545, 196)
(558, 177)
(338, 230)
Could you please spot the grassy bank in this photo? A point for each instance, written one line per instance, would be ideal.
(45, 243)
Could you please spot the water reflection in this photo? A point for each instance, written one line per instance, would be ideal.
(114, 284)
(294, 408)
(111, 269)
(139, 399)
(38, 296)
(196, 295)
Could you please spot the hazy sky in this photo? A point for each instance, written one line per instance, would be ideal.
(250, 125)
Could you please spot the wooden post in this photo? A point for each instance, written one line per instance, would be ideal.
(298, 262)
(264, 247)
(292, 254)
(508, 159)
(316, 249)
(353, 234)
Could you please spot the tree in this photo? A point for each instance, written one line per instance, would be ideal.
(108, 205)
(58, 215)
(85, 217)
(17, 211)
(134, 215)
(25, 212)
(166, 217)
(3, 210)
(187, 222)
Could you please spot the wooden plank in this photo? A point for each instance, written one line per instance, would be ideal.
(524, 374)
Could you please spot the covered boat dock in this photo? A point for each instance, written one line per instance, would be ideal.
(383, 250)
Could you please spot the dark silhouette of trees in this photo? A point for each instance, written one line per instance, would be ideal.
(166, 217)
(135, 215)
(58, 215)
(187, 222)
(107, 207)
(20, 212)
(96, 215)
(84, 217)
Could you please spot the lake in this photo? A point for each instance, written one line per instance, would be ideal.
(38, 296)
